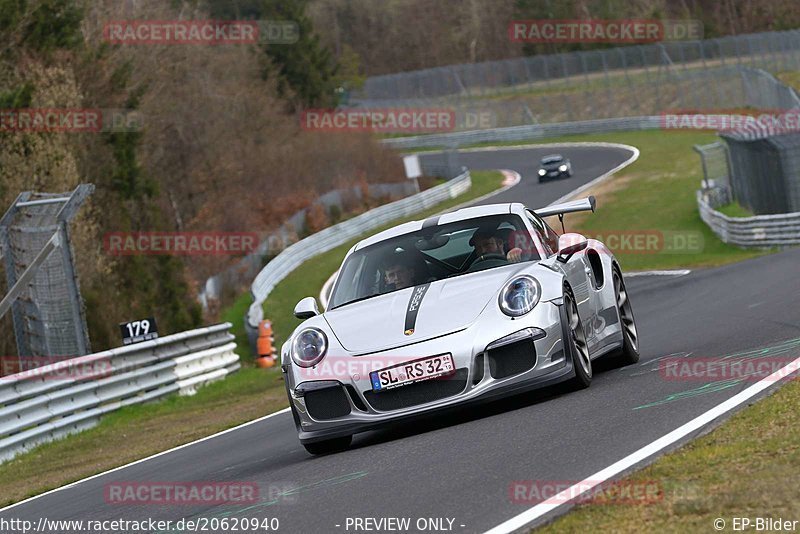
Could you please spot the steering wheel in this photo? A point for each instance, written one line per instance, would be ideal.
(490, 256)
(492, 259)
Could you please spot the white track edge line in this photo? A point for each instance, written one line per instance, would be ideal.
(534, 513)
(673, 272)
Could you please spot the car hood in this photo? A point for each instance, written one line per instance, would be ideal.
(553, 166)
(448, 305)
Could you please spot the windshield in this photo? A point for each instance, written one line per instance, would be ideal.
(551, 159)
(432, 254)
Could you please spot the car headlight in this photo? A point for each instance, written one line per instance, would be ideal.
(542, 172)
(309, 347)
(563, 168)
(519, 296)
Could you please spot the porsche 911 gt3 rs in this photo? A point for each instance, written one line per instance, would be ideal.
(464, 307)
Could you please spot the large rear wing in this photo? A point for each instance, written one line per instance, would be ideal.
(584, 204)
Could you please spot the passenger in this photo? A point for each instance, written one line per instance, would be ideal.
(488, 243)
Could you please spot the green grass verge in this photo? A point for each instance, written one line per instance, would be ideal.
(734, 209)
(748, 467)
(138, 431)
(790, 78)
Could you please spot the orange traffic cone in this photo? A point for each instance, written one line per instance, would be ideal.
(265, 345)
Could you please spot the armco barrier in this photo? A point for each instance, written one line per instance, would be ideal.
(761, 231)
(333, 236)
(36, 407)
(525, 133)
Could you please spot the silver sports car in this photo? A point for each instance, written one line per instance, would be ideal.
(464, 307)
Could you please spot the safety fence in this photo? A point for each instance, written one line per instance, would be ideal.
(47, 311)
(711, 88)
(765, 171)
(52, 401)
(612, 82)
(333, 236)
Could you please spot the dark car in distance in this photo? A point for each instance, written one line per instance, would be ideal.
(554, 166)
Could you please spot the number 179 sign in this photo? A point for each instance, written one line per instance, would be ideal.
(138, 331)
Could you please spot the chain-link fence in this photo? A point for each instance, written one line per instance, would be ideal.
(765, 171)
(43, 292)
(617, 82)
(716, 172)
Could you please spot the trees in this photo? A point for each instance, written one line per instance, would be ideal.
(305, 71)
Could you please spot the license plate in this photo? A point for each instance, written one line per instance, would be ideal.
(410, 372)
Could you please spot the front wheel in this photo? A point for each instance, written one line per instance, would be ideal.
(575, 343)
(630, 335)
(329, 446)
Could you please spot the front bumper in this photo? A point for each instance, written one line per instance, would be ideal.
(344, 403)
(554, 174)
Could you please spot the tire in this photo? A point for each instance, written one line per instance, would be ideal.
(328, 446)
(629, 353)
(575, 343)
(541, 179)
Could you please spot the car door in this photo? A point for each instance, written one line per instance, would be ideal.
(578, 273)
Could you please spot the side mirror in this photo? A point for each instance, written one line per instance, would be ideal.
(306, 308)
(569, 244)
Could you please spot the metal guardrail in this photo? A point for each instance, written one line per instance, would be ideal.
(42, 404)
(524, 133)
(760, 231)
(333, 236)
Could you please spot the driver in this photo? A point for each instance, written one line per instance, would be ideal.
(399, 272)
(488, 243)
